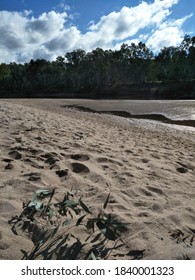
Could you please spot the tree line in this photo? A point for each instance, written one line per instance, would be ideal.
(78, 70)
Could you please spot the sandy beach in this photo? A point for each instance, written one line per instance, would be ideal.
(148, 171)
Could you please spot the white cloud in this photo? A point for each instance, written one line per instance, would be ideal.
(27, 36)
(168, 34)
(62, 5)
(24, 36)
(129, 21)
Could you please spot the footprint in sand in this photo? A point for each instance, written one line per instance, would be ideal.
(9, 166)
(156, 190)
(50, 158)
(62, 173)
(182, 170)
(33, 176)
(4, 246)
(79, 168)
(102, 160)
(8, 160)
(145, 160)
(33, 163)
(15, 154)
(34, 151)
(156, 207)
(79, 157)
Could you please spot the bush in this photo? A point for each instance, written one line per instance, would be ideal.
(67, 229)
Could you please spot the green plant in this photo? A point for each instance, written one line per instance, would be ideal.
(67, 229)
(187, 238)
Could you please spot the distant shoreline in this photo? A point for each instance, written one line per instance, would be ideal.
(155, 117)
(170, 90)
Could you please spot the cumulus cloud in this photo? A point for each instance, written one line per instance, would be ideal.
(24, 36)
(169, 33)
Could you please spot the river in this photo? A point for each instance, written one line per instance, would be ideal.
(173, 109)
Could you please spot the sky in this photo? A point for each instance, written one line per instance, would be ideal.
(45, 29)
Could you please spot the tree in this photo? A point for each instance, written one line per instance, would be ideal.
(98, 69)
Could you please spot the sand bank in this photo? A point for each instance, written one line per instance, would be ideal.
(148, 171)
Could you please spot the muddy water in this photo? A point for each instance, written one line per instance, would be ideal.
(173, 109)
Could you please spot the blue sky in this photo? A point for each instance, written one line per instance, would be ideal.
(49, 28)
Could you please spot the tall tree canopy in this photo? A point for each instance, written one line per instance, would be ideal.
(78, 70)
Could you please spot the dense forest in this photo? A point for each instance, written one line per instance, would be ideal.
(133, 71)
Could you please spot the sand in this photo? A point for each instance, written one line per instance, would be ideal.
(148, 171)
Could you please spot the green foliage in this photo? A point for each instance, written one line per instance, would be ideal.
(79, 71)
(67, 229)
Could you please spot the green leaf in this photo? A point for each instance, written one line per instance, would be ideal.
(25, 254)
(96, 238)
(69, 194)
(50, 213)
(108, 232)
(92, 256)
(71, 204)
(37, 204)
(106, 202)
(34, 197)
(66, 223)
(84, 206)
(80, 220)
(31, 204)
(41, 193)
(100, 225)
(70, 214)
(55, 231)
(44, 191)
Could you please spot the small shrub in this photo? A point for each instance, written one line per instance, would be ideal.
(67, 229)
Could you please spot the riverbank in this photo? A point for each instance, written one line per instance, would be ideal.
(170, 90)
(148, 171)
